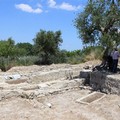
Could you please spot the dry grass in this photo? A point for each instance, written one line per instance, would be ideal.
(90, 57)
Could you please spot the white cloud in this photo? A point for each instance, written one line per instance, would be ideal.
(39, 5)
(69, 7)
(27, 8)
(52, 3)
(64, 6)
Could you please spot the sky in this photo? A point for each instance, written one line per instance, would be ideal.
(22, 20)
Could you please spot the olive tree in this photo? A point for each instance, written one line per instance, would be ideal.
(99, 23)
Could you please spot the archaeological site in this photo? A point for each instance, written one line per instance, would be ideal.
(59, 92)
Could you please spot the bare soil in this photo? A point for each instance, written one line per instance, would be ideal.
(58, 106)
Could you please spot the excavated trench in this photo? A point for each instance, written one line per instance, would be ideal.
(31, 84)
(41, 83)
(59, 93)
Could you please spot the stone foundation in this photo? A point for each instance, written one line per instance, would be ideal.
(105, 82)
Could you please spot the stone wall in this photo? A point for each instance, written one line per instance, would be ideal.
(102, 81)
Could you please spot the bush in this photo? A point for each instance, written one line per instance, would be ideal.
(26, 60)
(7, 63)
(4, 64)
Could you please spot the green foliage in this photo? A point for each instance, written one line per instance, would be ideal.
(99, 22)
(26, 60)
(7, 63)
(4, 64)
(44, 51)
(75, 60)
(73, 57)
(25, 48)
(7, 48)
(46, 45)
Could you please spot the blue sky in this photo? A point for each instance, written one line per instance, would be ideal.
(23, 19)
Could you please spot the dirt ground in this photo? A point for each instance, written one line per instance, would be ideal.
(63, 107)
(59, 106)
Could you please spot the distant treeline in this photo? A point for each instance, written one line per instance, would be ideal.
(44, 51)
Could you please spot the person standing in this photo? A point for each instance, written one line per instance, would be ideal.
(115, 56)
(109, 61)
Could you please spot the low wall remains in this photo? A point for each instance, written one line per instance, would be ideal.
(105, 82)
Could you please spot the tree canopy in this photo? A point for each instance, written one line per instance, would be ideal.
(25, 48)
(99, 23)
(7, 47)
(46, 44)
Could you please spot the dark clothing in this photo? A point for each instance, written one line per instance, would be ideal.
(115, 56)
(110, 62)
(115, 63)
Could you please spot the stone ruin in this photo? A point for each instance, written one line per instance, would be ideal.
(36, 81)
(44, 80)
(103, 81)
(79, 87)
